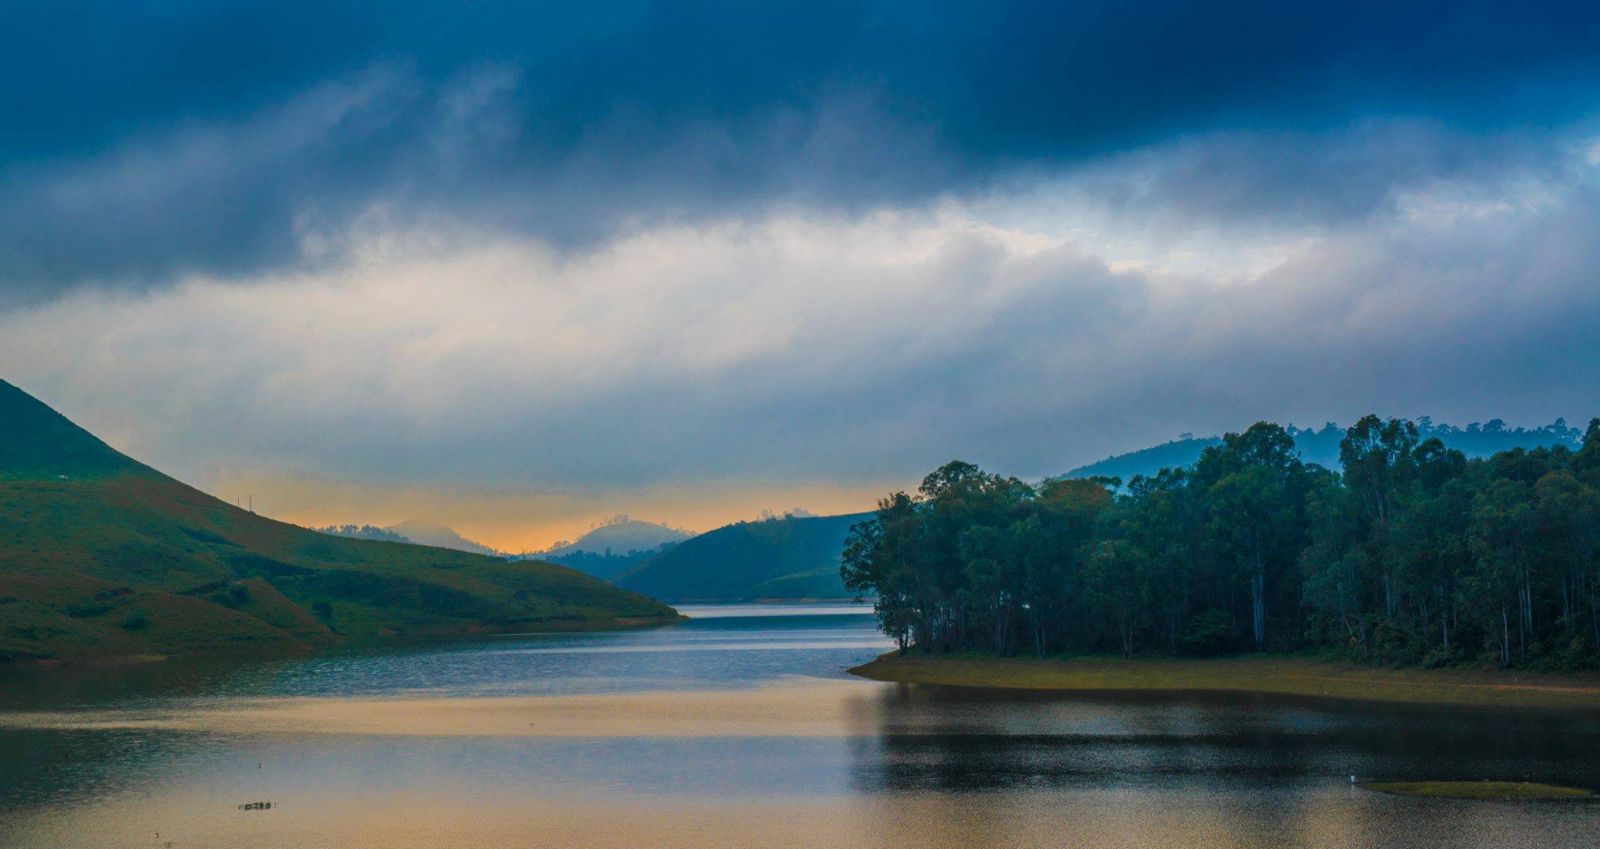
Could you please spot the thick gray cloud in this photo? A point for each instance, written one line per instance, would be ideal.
(141, 143)
(843, 350)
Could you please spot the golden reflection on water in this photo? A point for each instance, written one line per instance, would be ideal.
(190, 816)
(426, 793)
(794, 708)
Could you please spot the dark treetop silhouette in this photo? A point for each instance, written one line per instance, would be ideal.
(1413, 555)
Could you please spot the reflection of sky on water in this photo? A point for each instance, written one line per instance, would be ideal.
(716, 650)
(1018, 767)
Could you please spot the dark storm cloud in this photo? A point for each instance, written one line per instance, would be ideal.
(143, 141)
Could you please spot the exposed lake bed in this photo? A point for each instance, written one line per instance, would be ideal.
(1259, 675)
(740, 727)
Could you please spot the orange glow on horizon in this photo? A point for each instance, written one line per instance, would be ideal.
(519, 520)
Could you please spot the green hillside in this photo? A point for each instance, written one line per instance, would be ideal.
(791, 557)
(103, 558)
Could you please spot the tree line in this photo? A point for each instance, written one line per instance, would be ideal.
(1412, 554)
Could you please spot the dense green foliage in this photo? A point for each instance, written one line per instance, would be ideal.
(102, 557)
(1413, 555)
(780, 557)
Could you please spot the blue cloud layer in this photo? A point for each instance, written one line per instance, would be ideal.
(143, 141)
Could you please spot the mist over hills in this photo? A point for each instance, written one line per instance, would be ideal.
(1321, 446)
(103, 557)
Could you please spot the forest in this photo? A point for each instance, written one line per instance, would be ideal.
(1410, 554)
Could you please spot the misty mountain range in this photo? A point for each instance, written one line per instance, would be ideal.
(604, 551)
(1321, 446)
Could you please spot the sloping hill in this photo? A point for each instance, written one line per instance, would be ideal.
(37, 443)
(102, 557)
(791, 557)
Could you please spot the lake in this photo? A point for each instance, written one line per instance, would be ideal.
(739, 728)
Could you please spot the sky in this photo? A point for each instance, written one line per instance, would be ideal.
(517, 267)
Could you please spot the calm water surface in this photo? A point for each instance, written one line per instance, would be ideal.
(738, 728)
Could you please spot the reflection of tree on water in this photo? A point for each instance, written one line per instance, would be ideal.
(952, 739)
(99, 686)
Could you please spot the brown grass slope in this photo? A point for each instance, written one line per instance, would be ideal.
(103, 558)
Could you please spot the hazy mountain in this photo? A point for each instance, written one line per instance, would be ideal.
(612, 547)
(1321, 446)
(102, 557)
(431, 533)
(619, 535)
(788, 557)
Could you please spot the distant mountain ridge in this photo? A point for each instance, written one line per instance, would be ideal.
(102, 558)
(612, 547)
(787, 557)
(371, 532)
(619, 534)
(416, 531)
(439, 536)
(1322, 446)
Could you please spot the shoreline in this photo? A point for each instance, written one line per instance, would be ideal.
(1274, 676)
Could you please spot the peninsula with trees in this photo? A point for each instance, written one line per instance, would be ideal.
(1409, 557)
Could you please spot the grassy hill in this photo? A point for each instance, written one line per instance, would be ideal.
(791, 557)
(102, 557)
